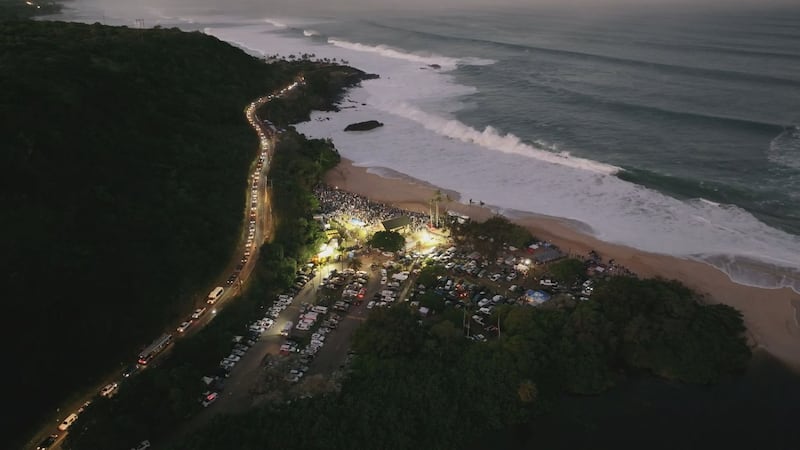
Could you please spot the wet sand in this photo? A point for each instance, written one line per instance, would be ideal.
(771, 315)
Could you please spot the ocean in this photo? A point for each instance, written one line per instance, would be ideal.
(676, 133)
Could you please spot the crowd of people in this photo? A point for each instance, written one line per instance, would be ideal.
(345, 206)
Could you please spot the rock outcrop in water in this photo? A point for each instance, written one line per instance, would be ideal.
(363, 126)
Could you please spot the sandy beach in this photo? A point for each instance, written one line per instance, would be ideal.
(770, 314)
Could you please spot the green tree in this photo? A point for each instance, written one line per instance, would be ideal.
(391, 241)
(568, 271)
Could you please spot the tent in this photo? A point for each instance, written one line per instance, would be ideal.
(536, 297)
(398, 223)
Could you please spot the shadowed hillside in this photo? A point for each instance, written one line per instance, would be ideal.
(126, 156)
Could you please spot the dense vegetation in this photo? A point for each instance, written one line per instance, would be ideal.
(568, 270)
(488, 237)
(158, 401)
(420, 384)
(390, 241)
(126, 155)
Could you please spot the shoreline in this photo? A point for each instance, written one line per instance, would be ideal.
(771, 315)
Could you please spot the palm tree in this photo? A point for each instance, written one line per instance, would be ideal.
(430, 211)
(437, 197)
(355, 264)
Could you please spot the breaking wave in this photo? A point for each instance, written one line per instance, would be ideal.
(493, 139)
(275, 23)
(444, 62)
(785, 148)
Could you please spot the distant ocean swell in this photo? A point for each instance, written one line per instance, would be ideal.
(649, 65)
(637, 108)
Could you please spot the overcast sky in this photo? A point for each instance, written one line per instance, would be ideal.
(314, 7)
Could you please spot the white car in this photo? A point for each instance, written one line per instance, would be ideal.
(144, 445)
(371, 304)
(68, 422)
(198, 312)
(109, 390)
(184, 326)
(548, 282)
(225, 364)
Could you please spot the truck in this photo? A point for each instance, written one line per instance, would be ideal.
(214, 295)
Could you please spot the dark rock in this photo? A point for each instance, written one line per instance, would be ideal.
(363, 126)
(434, 66)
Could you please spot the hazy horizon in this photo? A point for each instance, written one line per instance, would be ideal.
(355, 7)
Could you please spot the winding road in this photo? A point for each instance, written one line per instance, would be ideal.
(237, 270)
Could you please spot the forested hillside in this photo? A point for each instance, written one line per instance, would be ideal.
(125, 155)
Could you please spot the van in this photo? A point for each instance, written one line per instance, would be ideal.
(215, 294)
(68, 422)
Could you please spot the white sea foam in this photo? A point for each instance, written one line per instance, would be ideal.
(310, 33)
(421, 139)
(275, 23)
(785, 148)
(491, 139)
(444, 62)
